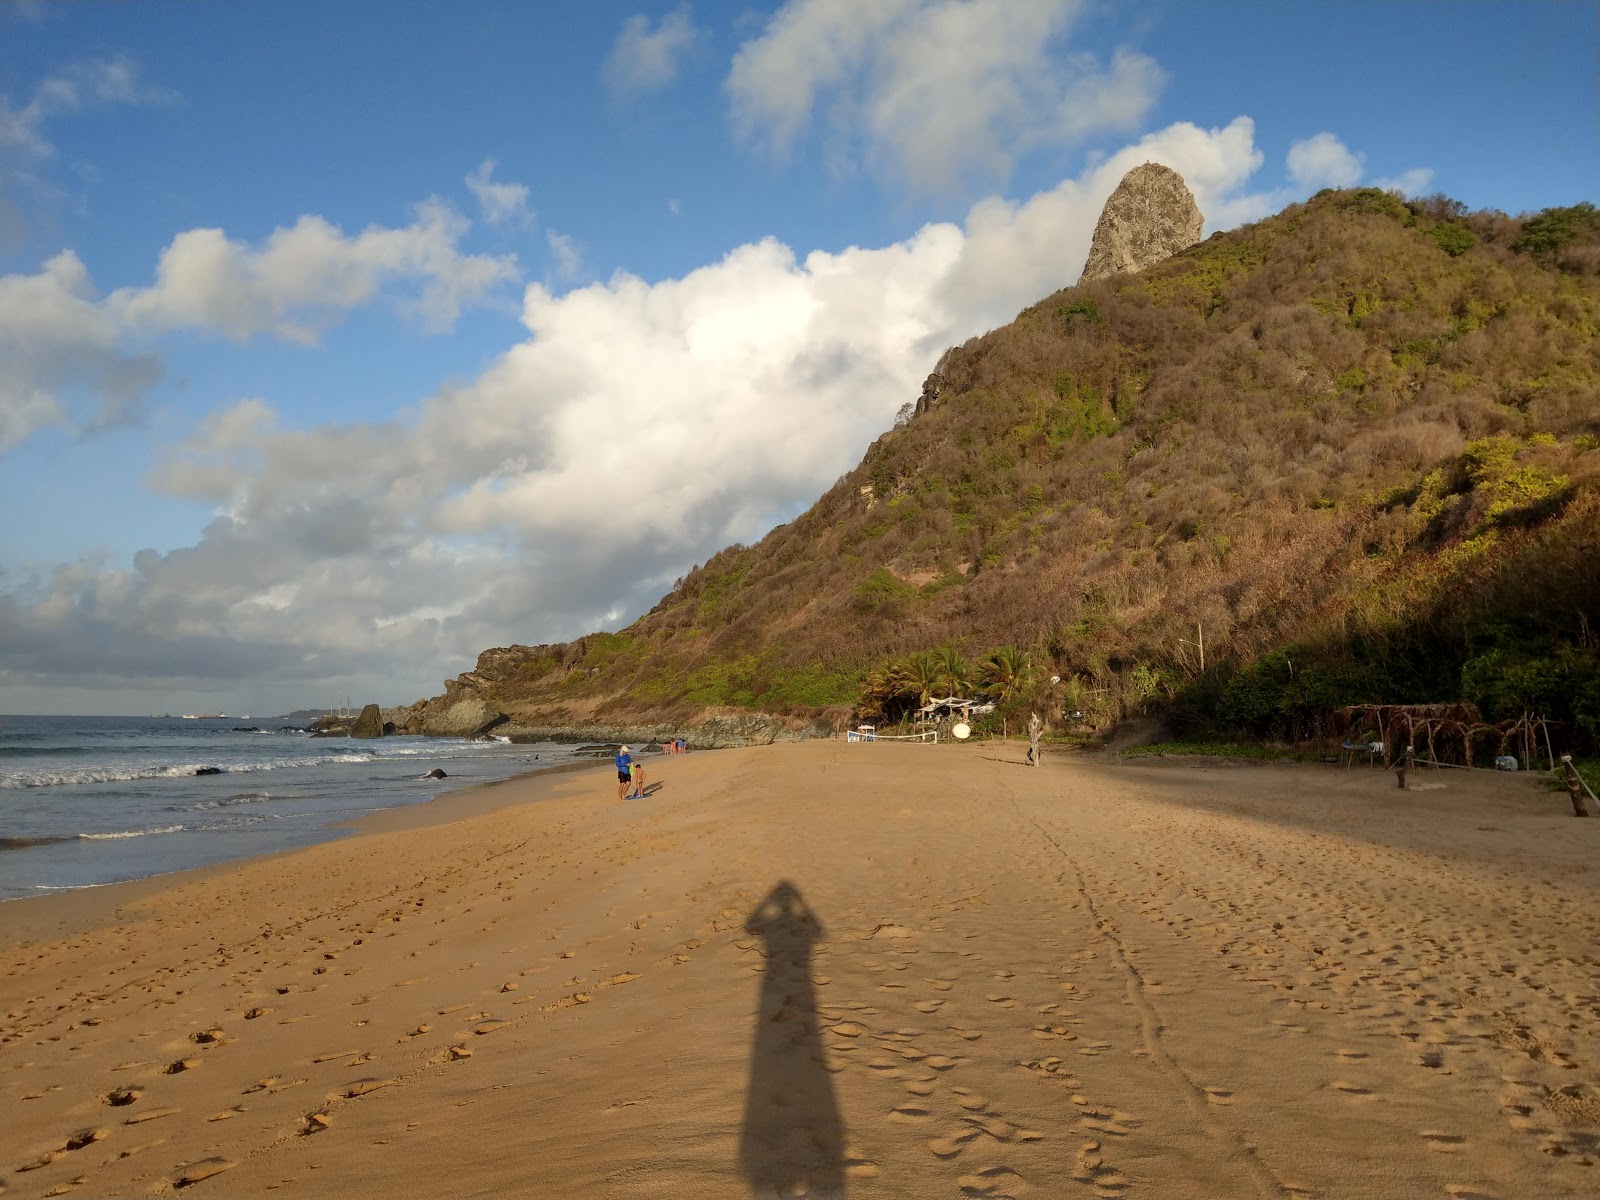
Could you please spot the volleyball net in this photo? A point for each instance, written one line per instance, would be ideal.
(930, 736)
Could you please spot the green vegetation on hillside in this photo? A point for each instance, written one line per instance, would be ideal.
(1353, 450)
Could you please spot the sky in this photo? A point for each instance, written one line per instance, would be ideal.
(341, 342)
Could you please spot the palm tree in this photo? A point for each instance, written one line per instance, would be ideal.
(954, 674)
(1007, 672)
(919, 675)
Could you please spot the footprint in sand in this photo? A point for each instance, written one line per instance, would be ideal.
(1001, 1001)
(1090, 1168)
(1216, 1095)
(954, 1143)
(992, 1183)
(1442, 1142)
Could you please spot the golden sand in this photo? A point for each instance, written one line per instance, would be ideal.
(829, 969)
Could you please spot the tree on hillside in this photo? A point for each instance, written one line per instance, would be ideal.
(953, 673)
(919, 676)
(1007, 672)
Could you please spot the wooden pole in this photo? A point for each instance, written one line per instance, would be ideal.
(1574, 783)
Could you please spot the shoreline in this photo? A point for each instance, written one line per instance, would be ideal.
(66, 911)
(883, 969)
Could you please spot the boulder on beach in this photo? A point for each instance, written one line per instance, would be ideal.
(436, 773)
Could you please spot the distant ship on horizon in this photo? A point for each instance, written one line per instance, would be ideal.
(205, 717)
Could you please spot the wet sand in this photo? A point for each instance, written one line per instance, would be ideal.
(827, 969)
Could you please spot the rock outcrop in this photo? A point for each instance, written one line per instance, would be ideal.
(369, 724)
(1151, 216)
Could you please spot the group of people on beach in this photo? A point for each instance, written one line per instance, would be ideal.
(630, 775)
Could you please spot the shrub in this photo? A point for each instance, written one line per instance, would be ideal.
(1453, 238)
(1553, 228)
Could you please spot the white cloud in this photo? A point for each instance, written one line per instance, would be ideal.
(566, 257)
(932, 92)
(25, 144)
(637, 428)
(303, 276)
(55, 338)
(504, 205)
(59, 341)
(645, 59)
(1322, 160)
(101, 81)
(1408, 183)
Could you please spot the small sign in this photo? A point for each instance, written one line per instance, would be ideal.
(962, 731)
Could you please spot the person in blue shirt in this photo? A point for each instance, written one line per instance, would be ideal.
(624, 773)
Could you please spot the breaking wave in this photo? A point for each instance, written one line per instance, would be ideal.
(130, 833)
(122, 773)
(225, 802)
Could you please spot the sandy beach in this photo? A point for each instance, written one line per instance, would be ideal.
(827, 969)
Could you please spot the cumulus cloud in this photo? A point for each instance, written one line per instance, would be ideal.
(645, 59)
(932, 92)
(55, 341)
(60, 342)
(637, 428)
(303, 276)
(504, 205)
(1322, 160)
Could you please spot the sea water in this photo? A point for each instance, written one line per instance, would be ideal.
(92, 800)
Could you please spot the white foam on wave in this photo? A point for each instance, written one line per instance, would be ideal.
(124, 772)
(129, 833)
(225, 802)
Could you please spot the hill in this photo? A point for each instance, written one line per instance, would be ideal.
(1352, 450)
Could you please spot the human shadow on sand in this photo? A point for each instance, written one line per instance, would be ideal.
(793, 1138)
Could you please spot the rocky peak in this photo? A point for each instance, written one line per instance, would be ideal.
(1151, 216)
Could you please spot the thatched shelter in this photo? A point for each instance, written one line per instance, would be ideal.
(1432, 729)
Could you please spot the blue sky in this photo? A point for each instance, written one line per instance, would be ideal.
(345, 341)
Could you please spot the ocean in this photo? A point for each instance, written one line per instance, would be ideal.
(94, 800)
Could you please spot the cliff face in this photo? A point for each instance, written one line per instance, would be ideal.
(1150, 217)
(488, 701)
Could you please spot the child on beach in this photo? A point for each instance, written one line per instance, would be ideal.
(638, 781)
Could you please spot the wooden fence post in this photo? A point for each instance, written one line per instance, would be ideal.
(1574, 783)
